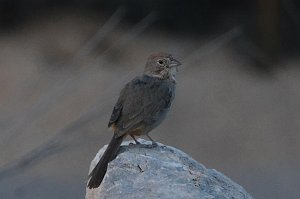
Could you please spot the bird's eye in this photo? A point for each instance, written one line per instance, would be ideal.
(160, 61)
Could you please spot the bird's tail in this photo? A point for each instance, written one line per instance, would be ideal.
(97, 174)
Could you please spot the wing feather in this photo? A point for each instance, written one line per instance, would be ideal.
(141, 100)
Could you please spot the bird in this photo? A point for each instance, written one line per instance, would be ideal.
(142, 105)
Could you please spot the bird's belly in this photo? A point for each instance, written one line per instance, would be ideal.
(149, 123)
(156, 120)
(138, 131)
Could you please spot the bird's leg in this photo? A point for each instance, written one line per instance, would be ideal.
(153, 142)
(136, 142)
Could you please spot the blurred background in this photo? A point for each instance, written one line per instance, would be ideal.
(63, 63)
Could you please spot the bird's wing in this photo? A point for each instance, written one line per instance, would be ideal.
(116, 113)
(128, 104)
(140, 100)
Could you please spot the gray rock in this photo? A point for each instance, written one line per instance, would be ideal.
(144, 171)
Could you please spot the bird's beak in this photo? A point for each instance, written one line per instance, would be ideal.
(174, 63)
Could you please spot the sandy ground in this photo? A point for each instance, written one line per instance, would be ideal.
(225, 115)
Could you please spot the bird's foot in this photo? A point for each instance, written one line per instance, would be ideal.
(137, 142)
(154, 144)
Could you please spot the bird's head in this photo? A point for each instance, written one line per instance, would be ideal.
(161, 65)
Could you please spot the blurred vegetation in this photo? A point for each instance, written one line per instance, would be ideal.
(273, 25)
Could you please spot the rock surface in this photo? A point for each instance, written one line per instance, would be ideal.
(144, 171)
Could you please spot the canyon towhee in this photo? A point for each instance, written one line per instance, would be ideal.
(142, 106)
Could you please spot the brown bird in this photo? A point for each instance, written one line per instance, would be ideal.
(142, 105)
